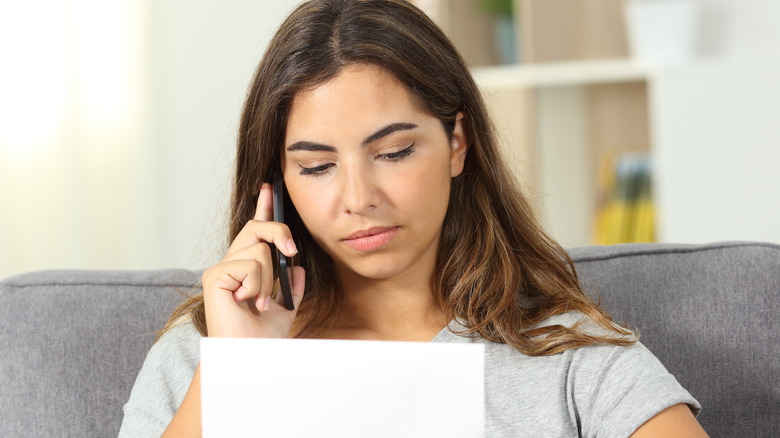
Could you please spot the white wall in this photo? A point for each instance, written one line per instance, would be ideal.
(739, 27)
(717, 149)
(716, 136)
(118, 124)
(118, 119)
(202, 56)
(71, 105)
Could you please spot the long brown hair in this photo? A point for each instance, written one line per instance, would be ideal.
(497, 272)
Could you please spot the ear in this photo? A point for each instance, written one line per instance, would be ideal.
(459, 146)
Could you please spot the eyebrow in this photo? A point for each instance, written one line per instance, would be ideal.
(384, 132)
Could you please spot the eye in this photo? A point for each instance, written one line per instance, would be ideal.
(398, 156)
(315, 171)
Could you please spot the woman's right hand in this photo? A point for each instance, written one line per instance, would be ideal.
(237, 291)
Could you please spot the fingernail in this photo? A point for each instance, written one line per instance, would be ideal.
(267, 304)
(291, 248)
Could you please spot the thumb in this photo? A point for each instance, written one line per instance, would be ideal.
(298, 286)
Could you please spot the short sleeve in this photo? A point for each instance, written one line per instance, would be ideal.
(625, 387)
(162, 382)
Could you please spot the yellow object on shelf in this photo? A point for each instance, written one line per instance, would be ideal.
(626, 213)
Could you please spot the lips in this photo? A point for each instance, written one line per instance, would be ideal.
(367, 233)
(371, 238)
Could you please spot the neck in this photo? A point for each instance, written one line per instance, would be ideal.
(394, 309)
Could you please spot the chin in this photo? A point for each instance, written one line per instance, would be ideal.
(374, 268)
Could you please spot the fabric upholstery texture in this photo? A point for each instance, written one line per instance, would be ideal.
(709, 313)
(72, 342)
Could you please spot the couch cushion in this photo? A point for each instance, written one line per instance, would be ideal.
(72, 343)
(709, 313)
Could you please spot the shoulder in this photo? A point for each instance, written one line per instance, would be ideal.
(175, 355)
(622, 387)
(581, 322)
(602, 390)
(182, 341)
(162, 382)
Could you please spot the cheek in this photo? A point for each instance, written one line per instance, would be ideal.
(309, 205)
(315, 208)
(426, 191)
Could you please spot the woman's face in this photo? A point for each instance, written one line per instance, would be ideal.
(369, 174)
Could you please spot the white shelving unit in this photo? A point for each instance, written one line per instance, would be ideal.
(560, 74)
(714, 138)
(711, 125)
(542, 113)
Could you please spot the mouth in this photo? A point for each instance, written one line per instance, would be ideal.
(371, 238)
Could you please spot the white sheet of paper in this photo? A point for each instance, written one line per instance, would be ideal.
(293, 388)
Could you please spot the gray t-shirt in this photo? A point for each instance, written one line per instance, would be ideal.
(594, 391)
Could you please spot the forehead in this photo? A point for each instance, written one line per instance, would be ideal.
(359, 92)
(354, 74)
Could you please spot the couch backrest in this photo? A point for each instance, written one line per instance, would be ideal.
(71, 342)
(710, 314)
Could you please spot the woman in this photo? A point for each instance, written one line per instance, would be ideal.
(409, 227)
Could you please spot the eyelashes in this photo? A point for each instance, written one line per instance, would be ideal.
(315, 171)
(391, 157)
(400, 155)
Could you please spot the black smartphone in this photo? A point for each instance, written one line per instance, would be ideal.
(282, 262)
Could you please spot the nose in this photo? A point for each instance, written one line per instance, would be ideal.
(360, 193)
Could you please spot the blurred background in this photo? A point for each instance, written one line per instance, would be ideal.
(627, 120)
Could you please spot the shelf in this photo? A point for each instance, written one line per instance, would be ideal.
(557, 74)
(557, 120)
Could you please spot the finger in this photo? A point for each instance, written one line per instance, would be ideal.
(257, 256)
(265, 203)
(266, 281)
(248, 274)
(299, 285)
(256, 231)
(244, 279)
(256, 251)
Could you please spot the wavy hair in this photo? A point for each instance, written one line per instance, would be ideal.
(501, 281)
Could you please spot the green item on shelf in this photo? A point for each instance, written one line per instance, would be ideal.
(498, 7)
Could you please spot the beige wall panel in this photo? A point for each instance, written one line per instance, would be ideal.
(617, 119)
(558, 30)
(513, 116)
(470, 29)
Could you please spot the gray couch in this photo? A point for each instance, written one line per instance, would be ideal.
(71, 342)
